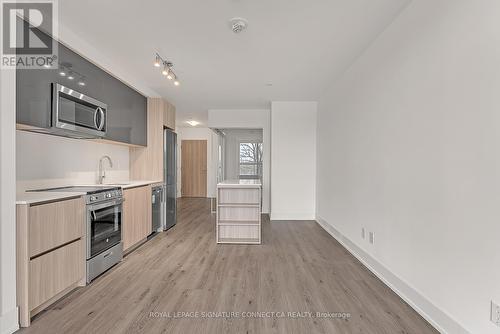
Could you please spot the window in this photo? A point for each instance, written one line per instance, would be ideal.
(250, 160)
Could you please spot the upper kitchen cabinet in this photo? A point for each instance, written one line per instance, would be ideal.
(126, 108)
(146, 163)
(168, 115)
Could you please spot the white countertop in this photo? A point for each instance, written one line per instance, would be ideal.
(44, 196)
(132, 184)
(251, 183)
(29, 197)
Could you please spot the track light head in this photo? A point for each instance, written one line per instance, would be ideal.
(157, 62)
(166, 70)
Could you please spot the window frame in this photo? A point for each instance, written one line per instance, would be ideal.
(257, 164)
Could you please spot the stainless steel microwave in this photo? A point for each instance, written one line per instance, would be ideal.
(77, 113)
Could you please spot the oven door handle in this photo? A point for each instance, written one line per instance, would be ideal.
(119, 201)
(107, 204)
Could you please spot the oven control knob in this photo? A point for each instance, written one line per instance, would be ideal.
(93, 198)
(108, 195)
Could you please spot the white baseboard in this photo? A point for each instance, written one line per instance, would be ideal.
(291, 216)
(438, 318)
(9, 322)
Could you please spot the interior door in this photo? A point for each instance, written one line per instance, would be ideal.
(194, 168)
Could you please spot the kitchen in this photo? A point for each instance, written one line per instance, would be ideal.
(96, 215)
(249, 167)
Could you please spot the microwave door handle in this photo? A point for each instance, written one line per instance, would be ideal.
(102, 120)
(95, 118)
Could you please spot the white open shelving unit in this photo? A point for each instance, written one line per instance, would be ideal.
(238, 212)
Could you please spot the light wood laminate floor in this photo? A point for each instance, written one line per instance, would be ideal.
(298, 268)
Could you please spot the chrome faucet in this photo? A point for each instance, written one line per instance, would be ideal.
(102, 170)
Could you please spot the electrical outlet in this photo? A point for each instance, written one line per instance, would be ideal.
(363, 233)
(372, 237)
(495, 313)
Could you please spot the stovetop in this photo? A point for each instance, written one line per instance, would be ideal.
(94, 194)
(84, 189)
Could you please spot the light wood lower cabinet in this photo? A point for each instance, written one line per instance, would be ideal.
(136, 215)
(53, 272)
(54, 224)
(50, 259)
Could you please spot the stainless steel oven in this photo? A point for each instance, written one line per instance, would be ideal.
(75, 112)
(104, 226)
(104, 232)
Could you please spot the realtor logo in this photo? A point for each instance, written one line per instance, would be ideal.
(28, 34)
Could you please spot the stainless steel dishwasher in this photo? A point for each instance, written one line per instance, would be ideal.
(158, 207)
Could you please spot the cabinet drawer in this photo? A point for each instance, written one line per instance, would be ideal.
(54, 224)
(237, 196)
(55, 271)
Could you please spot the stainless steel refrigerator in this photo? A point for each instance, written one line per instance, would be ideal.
(170, 177)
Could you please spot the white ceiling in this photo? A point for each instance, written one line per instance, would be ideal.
(299, 46)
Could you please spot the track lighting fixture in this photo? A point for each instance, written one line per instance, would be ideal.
(167, 69)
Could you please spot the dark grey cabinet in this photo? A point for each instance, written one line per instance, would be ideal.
(127, 109)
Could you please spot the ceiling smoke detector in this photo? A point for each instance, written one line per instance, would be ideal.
(238, 24)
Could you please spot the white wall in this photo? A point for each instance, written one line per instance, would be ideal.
(409, 147)
(233, 139)
(8, 308)
(50, 160)
(293, 160)
(245, 119)
(185, 133)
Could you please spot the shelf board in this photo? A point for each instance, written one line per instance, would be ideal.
(239, 223)
(238, 241)
(239, 205)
